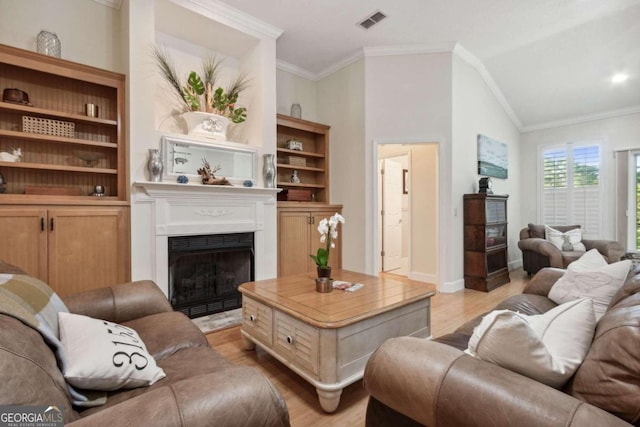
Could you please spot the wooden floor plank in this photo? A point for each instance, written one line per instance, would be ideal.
(448, 312)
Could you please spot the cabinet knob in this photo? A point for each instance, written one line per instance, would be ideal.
(290, 339)
(252, 318)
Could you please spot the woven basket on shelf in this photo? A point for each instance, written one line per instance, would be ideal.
(48, 126)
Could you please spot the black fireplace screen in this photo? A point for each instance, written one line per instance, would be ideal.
(205, 271)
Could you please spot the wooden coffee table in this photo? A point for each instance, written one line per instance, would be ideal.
(327, 338)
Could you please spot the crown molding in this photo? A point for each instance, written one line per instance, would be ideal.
(355, 57)
(383, 51)
(408, 49)
(634, 109)
(234, 18)
(116, 4)
(472, 60)
(295, 70)
(314, 77)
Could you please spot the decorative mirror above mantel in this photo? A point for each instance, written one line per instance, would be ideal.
(184, 156)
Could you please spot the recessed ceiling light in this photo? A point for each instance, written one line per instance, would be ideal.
(619, 78)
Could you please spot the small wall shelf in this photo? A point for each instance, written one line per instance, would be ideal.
(42, 166)
(53, 139)
(55, 114)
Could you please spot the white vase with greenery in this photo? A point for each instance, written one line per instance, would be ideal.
(206, 109)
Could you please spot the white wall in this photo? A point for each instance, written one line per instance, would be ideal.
(95, 41)
(408, 99)
(618, 133)
(476, 111)
(293, 89)
(423, 191)
(141, 133)
(341, 105)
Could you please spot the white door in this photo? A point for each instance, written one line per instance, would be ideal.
(391, 214)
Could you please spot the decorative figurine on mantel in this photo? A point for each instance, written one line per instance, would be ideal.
(208, 176)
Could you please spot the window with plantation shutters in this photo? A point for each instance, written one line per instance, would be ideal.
(571, 187)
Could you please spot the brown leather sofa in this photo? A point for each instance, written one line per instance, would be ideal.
(538, 253)
(201, 388)
(416, 382)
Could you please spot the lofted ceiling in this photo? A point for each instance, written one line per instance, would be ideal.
(551, 59)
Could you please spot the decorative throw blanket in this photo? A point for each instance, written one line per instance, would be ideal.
(36, 305)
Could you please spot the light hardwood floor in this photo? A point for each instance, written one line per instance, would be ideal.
(448, 312)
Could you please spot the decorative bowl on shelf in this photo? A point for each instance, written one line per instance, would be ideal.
(89, 157)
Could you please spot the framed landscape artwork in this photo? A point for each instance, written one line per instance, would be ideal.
(493, 157)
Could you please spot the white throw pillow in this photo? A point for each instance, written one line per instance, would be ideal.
(598, 284)
(592, 260)
(105, 356)
(547, 347)
(568, 241)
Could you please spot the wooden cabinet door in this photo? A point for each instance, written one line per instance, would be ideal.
(88, 248)
(298, 237)
(335, 254)
(24, 239)
(293, 243)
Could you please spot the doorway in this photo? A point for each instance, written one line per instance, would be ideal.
(407, 210)
(394, 215)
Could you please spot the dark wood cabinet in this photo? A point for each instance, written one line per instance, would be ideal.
(486, 258)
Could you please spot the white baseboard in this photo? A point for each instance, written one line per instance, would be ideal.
(451, 287)
(514, 265)
(447, 287)
(424, 277)
(458, 285)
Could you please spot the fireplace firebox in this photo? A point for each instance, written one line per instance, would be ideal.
(205, 272)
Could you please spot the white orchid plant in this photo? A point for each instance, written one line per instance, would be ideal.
(328, 229)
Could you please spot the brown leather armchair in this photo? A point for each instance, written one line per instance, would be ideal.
(538, 253)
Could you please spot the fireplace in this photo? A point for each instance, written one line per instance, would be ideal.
(167, 211)
(205, 271)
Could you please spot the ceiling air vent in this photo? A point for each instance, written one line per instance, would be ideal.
(372, 20)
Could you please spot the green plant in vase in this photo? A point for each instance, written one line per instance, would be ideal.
(199, 91)
(328, 229)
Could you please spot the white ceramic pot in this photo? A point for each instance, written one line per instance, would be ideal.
(207, 124)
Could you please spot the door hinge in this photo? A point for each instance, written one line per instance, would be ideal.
(381, 253)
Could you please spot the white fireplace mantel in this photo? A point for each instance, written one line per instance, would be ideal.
(169, 189)
(197, 209)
